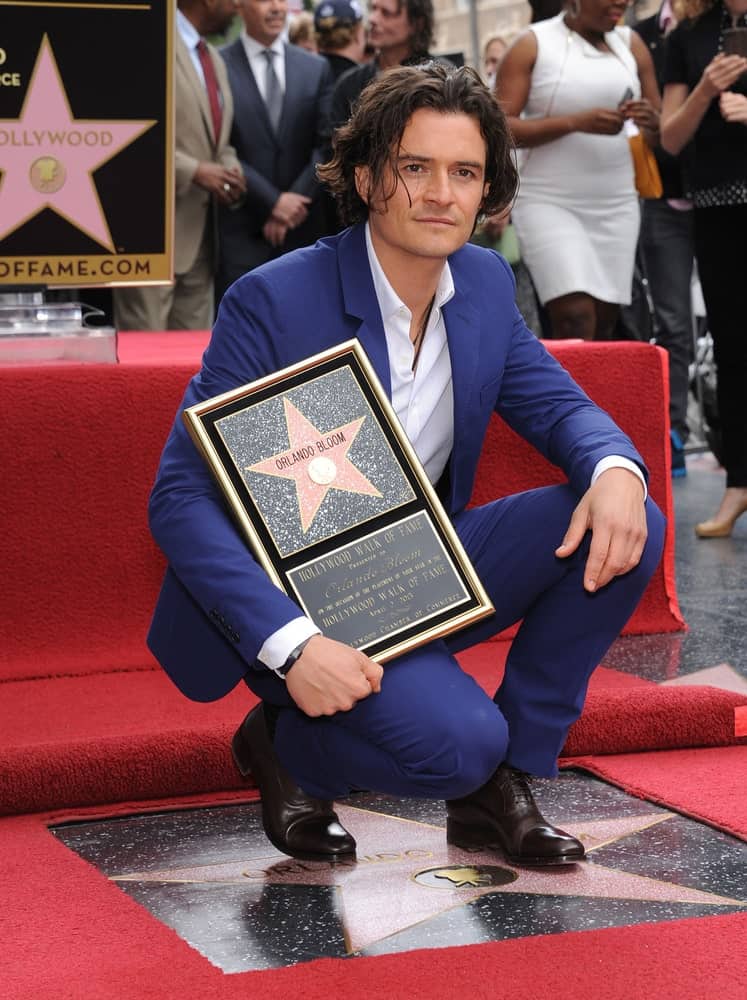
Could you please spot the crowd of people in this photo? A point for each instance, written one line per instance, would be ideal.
(255, 119)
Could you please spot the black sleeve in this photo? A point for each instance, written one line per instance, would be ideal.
(346, 92)
(675, 63)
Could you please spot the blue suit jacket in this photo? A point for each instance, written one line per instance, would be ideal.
(217, 605)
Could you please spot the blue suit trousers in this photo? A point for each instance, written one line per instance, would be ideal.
(432, 732)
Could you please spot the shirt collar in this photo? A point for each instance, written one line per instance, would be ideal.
(253, 47)
(389, 302)
(190, 34)
(666, 15)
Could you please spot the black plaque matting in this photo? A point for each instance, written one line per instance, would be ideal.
(336, 506)
(86, 143)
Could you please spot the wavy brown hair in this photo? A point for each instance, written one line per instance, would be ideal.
(692, 9)
(372, 135)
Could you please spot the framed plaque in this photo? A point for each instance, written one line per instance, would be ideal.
(336, 506)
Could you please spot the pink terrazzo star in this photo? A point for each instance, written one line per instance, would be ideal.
(317, 462)
(48, 157)
(406, 873)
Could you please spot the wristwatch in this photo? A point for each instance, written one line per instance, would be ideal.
(293, 656)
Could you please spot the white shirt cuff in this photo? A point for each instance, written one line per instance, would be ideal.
(618, 462)
(277, 647)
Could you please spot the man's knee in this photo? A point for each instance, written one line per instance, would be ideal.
(468, 751)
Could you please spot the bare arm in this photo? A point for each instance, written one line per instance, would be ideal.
(512, 91)
(682, 113)
(645, 112)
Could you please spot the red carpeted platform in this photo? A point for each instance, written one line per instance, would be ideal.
(68, 932)
(79, 454)
(86, 715)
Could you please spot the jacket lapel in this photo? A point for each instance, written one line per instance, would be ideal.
(186, 66)
(463, 328)
(361, 302)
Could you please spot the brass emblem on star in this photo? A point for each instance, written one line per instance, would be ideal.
(466, 877)
(47, 174)
(316, 461)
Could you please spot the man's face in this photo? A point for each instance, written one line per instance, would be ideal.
(441, 186)
(388, 24)
(264, 19)
(221, 13)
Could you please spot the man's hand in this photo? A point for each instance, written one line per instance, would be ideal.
(613, 510)
(227, 185)
(274, 232)
(291, 209)
(331, 677)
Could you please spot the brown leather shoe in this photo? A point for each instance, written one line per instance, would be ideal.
(503, 813)
(295, 823)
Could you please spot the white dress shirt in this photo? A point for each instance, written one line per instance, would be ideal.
(258, 62)
(424, 403)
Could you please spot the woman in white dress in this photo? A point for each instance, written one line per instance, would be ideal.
(568, 85)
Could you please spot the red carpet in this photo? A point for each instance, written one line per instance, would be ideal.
(69, 933)
(708, 784)
(112, 738)
(90, 437)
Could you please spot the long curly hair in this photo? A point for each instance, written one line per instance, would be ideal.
(372, 135)
(422, 18)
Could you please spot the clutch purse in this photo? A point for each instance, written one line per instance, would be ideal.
(647, 176)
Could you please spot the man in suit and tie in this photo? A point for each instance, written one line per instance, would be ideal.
(207, 173)
(426, 150)
(281, 127)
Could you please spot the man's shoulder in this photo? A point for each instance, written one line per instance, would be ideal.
(355, 79)
(232, 52)
(295, 273)
(304, 60)
(474, 263)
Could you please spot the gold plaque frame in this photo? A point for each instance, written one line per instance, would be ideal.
(336, 506)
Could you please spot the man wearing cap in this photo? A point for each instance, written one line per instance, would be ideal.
(340, 32)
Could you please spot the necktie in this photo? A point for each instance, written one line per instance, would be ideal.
(273, 93)
(211, 85)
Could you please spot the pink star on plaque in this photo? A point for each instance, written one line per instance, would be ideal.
(317, 462)
(48, 156)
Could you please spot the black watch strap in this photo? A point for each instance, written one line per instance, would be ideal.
(293, 656)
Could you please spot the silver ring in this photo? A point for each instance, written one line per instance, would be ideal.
(226, 188)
